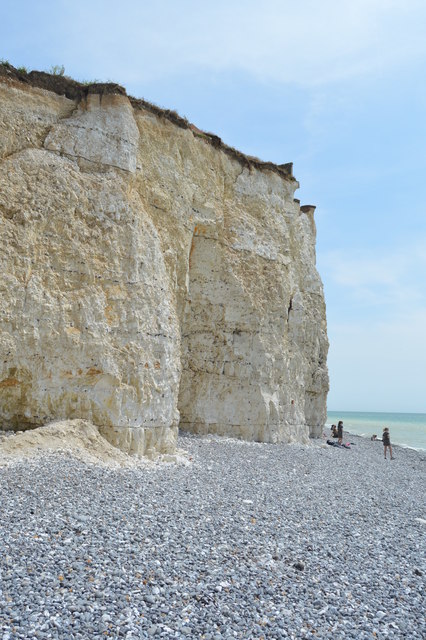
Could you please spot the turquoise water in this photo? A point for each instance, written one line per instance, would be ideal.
(407, 429)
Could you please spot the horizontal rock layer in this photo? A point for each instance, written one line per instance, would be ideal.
(150, 278)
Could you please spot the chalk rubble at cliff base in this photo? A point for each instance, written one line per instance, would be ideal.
(79, 438)
(246, 540)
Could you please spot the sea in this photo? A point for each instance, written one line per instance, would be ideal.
(406, 429)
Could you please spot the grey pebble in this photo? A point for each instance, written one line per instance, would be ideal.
(248, 540)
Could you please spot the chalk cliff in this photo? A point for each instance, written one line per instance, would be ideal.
(150, 276)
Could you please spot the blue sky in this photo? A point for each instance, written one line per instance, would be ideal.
(337, 87)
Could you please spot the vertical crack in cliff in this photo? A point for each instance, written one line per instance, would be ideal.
(290, 308)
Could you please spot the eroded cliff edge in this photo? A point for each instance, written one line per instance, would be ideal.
(151, 276)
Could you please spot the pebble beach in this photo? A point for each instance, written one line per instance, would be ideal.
(230, 540)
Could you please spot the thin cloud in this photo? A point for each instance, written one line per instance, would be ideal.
(309, 43)
(394, 277)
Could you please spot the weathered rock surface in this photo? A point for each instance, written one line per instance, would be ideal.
(151, 278)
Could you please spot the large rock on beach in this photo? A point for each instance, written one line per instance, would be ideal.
(150, 275)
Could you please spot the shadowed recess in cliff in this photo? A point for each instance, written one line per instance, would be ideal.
(216, 391)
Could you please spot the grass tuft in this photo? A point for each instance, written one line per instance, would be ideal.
(57, 70)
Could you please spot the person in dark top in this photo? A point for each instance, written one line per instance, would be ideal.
(340, 431)
(334, 431)
(387, 442)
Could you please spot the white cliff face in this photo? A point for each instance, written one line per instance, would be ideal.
(149, 278)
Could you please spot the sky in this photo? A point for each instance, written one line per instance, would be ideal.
(338, 87)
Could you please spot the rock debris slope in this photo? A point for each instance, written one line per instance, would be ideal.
(150, 275)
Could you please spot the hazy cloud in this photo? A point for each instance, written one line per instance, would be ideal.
(391, 276)
(306, 42)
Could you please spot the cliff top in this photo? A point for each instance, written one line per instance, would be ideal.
(63, 85)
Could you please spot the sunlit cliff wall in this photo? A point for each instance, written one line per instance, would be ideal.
(150, 276)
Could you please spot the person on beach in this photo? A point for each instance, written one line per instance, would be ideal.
(387, 442)
(340, 431)
(333, 431)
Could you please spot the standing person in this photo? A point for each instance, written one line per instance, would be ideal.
(340, 431)
(387, 442)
